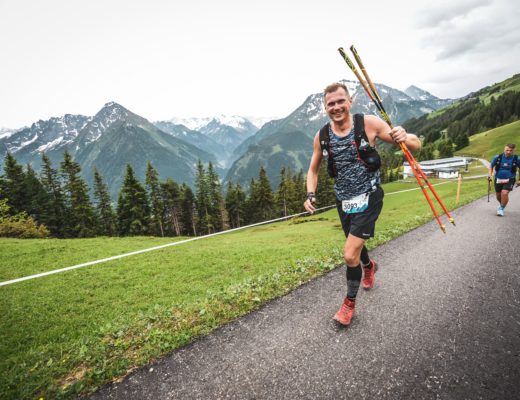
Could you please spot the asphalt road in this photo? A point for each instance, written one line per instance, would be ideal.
(442, 322)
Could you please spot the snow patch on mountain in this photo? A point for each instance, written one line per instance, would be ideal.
(23, 144)
(5, 133)
(194, 123)
(232, 121)
(260, 121)
(208, 124)
(314, 107)
(50, 145)
(114, 113)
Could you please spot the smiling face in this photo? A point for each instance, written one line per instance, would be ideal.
(337, 105)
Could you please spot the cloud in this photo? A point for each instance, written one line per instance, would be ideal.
(440, 13)
(482, 27)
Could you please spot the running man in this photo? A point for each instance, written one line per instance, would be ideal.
(504, 166)
(357, 184)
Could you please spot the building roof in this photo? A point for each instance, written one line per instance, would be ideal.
(440, 161)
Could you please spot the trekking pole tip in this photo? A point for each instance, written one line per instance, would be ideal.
(443, 229)
(452, 221)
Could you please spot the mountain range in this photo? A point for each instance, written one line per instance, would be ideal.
(115, 137)
(288, 141)
(109, 140)
(217, 135)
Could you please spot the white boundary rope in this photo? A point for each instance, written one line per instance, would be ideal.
(56, 271)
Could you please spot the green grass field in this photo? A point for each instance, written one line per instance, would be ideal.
(493, 91)
(492, 142)
(71, 332)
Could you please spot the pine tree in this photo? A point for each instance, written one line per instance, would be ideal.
(188, 211)
(300, 192)
(282, 193)
(426, 152)
(251, 206)
(156, 203)
(235, 205)
(172, 210)
(79, 211)
(132, 206)
(264, 198)
(36, 196)
(55, 207)
(445, 148)
(461, 141)
(105, 214)
(13, 185)
(204, 206)
(217, 206)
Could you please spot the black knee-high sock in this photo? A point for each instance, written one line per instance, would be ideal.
(365, 259)
(354, 275)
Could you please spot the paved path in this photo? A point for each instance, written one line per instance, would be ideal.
(442, 322)
(484, 162)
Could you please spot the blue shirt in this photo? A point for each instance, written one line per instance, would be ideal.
(505, 167)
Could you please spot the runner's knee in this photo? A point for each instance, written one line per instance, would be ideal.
(351, 257)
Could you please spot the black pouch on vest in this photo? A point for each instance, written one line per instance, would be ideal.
(366, 153)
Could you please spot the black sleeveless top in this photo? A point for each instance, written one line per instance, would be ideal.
(353, 177)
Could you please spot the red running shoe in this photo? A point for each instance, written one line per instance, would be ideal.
(369, 278)
(346, 312)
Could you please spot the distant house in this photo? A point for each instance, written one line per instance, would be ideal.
(443, 168)
(447, 173)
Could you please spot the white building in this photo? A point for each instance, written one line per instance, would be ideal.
(447, 173)
(443, 168)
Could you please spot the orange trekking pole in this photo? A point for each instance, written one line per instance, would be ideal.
(372, 93)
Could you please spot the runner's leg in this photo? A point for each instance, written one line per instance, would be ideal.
(504, 198)
(352, 253)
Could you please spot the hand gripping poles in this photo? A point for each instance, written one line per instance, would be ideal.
(416, 169)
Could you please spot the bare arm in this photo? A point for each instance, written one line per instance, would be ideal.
(376, 127)
(312, 174)
(491, 168)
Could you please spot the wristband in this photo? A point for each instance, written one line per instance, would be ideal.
(311, 196)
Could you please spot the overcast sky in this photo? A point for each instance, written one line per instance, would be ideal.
(169, 58)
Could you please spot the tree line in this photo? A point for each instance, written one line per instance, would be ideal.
(471, 116)
(57, 201)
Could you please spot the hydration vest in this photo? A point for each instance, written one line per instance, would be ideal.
(367, 154)
(513, 164)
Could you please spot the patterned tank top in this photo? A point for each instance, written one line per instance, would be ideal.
(353, 177)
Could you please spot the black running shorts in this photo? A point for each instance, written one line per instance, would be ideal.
(504, 186)
(362, 225)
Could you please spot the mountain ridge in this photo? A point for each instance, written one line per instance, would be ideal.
(115, 136)
(309, 117)
(109, 140)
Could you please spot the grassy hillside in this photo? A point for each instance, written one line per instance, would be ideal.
(492, 106)
(492, 142)
(498, 89)
(484, 95)
(68, 333)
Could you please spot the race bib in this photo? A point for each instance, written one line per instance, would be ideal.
(356, 204)
(502, 181)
